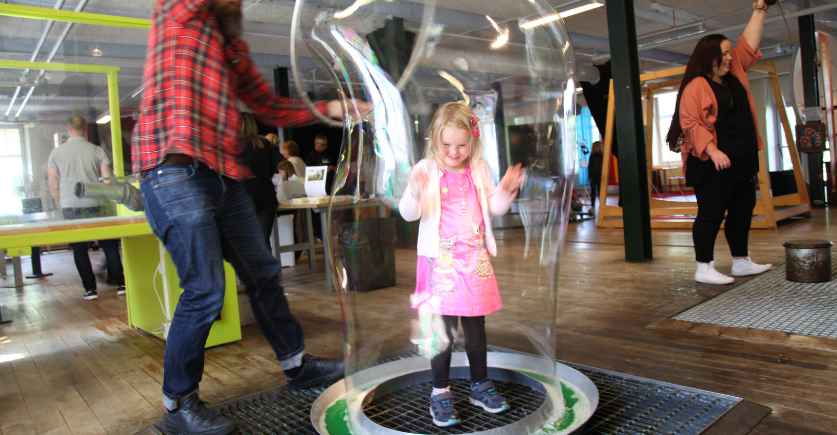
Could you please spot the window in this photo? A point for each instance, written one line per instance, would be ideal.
(11, 164)
(9, 142)
(787, 163)
(664, 105)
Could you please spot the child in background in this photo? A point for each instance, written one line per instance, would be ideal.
(594, 174)
(291, 186)
(453, 193)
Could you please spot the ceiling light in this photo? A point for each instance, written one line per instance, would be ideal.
(503, 34)
(564, 11)
(103, 120)
(501, 40)
(138, 91)
(345, 13)
(671, 34)
(96, 52)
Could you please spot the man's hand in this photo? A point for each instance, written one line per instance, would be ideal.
(334, 109)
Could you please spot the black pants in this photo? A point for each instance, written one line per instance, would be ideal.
(715, 197)
(476, 346)
(82, 258)
(595, 185)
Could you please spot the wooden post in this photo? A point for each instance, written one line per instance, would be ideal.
(649, 139)
(607, 153)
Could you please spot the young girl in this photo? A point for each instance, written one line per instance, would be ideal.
(452, 191)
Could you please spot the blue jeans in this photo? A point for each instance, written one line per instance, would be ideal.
(204, 218)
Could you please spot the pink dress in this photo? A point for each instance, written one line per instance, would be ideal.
(460, 282)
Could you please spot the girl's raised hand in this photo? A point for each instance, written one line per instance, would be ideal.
(418, 183)
(513, 178)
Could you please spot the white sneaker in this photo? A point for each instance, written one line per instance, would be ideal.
(745, 266)
(706, 273)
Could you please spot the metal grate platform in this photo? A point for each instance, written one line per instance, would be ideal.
(627, 405)
(772, 303)
(406, 410)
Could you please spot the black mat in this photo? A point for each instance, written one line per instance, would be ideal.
(627, 405)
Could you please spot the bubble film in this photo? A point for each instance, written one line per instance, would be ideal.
(512, 64)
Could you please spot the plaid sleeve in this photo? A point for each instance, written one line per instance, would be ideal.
(254, 91)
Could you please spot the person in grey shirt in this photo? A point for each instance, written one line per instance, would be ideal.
(79, 160)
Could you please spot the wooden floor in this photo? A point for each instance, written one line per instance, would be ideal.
(74, 366)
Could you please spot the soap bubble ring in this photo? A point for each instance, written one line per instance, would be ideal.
(512, 63)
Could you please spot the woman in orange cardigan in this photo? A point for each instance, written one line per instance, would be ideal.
(716, 116)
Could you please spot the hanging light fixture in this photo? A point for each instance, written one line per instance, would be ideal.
(502, 34)
(96, 52)
(565, 10)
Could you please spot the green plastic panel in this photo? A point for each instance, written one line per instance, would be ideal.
(141, 257)
(72, 17)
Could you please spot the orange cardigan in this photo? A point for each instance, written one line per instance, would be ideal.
(699, 109)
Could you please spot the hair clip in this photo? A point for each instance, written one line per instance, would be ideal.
(475, 130)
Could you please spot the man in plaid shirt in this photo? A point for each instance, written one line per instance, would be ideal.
(185, 145)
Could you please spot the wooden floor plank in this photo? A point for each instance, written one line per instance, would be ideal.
(14, 417)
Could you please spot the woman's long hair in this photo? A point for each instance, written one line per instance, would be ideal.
(707, 52)
(250, 131)
(286, 167)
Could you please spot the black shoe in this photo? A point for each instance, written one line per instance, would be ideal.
(120, 290)
(194, 418)
(315, 370)
(90, 295)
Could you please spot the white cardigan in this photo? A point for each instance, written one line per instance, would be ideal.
(494, 201)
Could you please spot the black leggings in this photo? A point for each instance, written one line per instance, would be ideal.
(715, 197)
(476, 346)
(595, 185)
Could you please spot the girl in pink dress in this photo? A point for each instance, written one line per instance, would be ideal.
(453, 193)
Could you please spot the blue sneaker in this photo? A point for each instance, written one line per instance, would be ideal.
(483, 394)
(442, 410)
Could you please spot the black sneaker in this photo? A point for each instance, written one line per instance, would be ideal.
(485, 395)
(120, 290)
(442, 410)
(315, 370)
(194, 418)
(90, 295)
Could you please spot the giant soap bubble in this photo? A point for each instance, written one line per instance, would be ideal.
(511, 63)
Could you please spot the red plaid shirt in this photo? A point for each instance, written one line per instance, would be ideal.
(192, 84)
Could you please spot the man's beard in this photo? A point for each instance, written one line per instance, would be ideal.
(229, 20)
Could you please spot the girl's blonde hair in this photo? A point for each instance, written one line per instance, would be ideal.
(458, 116)
(274, 140)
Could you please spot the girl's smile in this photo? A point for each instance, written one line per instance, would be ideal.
(455, 148)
